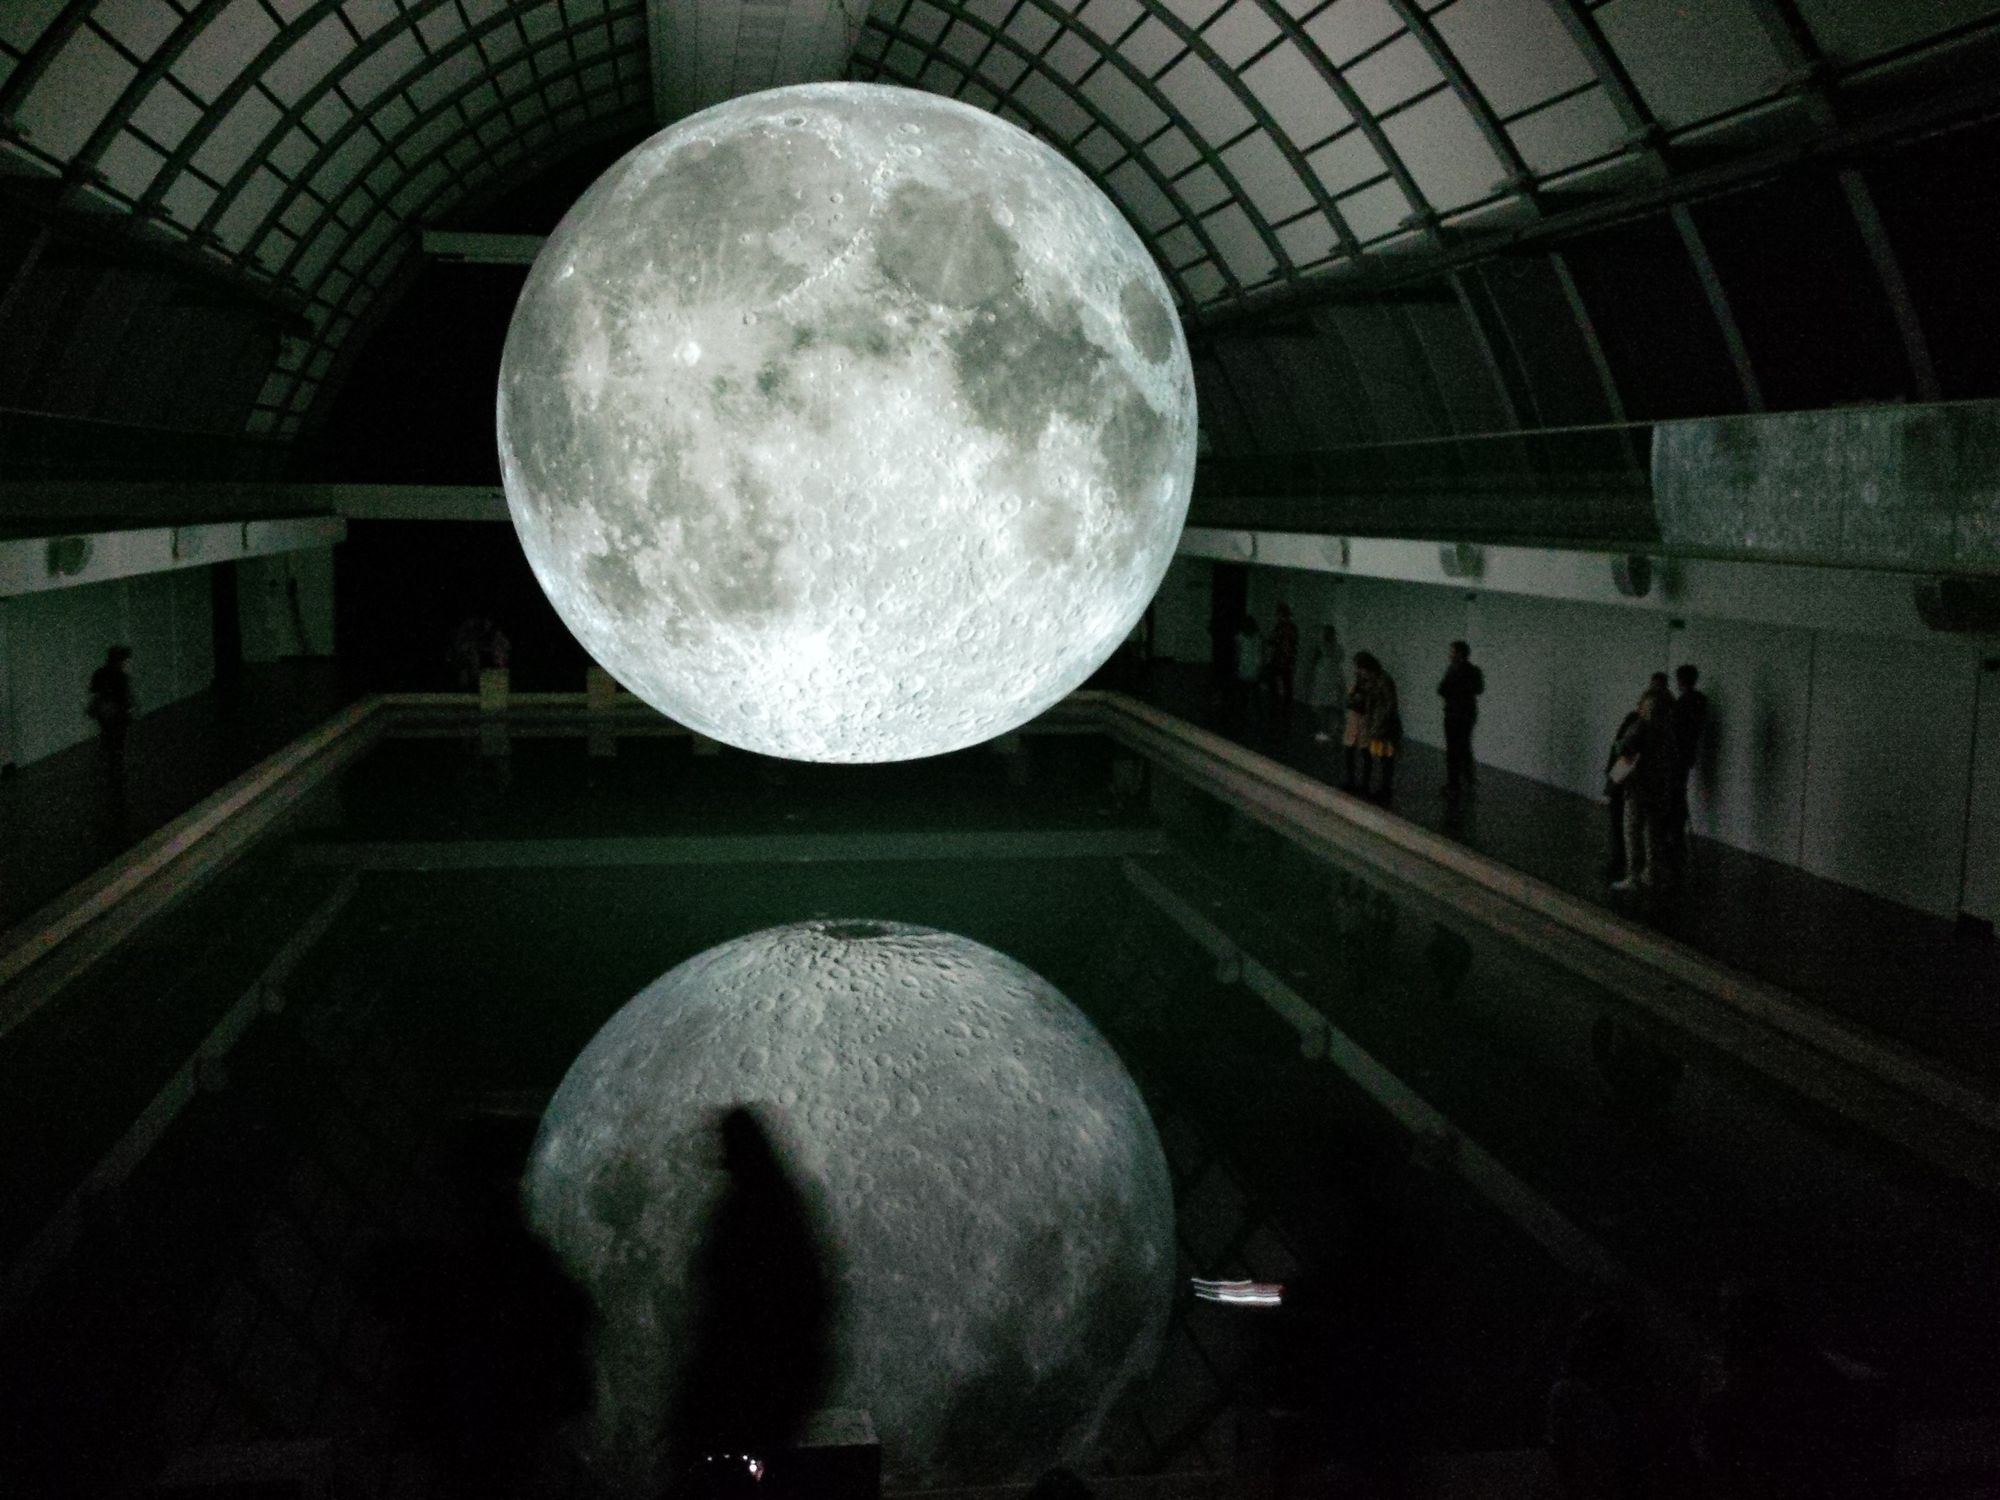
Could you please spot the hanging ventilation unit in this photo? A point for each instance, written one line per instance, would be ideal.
(1633, 575)
(68, 555)
(1461, 559)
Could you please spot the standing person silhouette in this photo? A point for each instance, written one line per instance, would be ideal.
(1284, 663)
(1689, 721)
(111, 703)
(1460, 688)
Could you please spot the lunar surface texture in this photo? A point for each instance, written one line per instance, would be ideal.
(847, 423)
(996, 1211)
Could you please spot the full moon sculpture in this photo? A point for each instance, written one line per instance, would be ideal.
(847, 423)
(994, 1205)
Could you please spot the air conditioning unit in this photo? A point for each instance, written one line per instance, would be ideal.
(1461, 559)
(1632, 574)
(68, 555)
(1959, 603)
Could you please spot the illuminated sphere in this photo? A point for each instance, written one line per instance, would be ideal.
(991, 1186)
(847, 423)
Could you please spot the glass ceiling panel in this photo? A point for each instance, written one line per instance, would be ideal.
(77, 91)
(1566, 134)
(1298, 99)
(1441, 145)
(1240, 33)
(1204, 100)
(1515, 51)
(1855, 30)
(1691, 63)
(1388, 77)
(140, 26)
(224, 48)
(310, 137)
(1347, 28)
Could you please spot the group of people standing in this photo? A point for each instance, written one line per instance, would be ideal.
(1646, 775)
(1646, 779)
(1363, 708)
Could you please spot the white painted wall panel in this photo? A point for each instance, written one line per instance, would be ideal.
(1514, 640)
(1887, 763)
(1180, 610)
(1847, 755)
(194, 630)
(51, 642)
(1601, 660)
(1749, 784)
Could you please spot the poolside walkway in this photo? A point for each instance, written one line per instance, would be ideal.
(66, 815)
(1905, 975)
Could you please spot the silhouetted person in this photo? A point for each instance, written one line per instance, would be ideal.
(1283, 666)
(1354, 726)
(760, 1347)
(1382, 728)
(1689, 720)
(110, 702)
(1645, 766)
(1460, 688)
(1614, 798)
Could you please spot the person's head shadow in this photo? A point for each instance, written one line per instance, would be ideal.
(762, 1293)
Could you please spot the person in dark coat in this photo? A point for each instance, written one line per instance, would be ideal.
(1646, 768)
(1689, 720)
(1382, 728)
(1460, 688)
(1283, 666)
(110, 702)
(1354, 727)
(1614, 799)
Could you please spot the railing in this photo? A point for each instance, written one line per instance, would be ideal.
(1606, 457)
(1568, 485)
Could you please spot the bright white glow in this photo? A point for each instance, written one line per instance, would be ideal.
(1240, 1293)
(847, 423)
(990, 1185)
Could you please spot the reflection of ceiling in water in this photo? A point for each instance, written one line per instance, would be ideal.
(294, 146)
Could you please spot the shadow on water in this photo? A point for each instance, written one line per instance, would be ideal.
(761, 1349)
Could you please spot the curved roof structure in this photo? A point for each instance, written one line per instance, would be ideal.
(1269, 150)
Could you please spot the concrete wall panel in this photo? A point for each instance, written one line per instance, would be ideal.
(1886, 771)
(1750, 780)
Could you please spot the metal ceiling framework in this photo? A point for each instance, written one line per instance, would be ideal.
(1269, 150)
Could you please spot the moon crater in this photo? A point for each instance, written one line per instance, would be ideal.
(847, 423)
(996, 1208)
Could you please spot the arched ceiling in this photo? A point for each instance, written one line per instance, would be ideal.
(1262, 146)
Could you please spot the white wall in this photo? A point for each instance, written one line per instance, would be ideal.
(1873, 760)
(271, 631)
(51, 642)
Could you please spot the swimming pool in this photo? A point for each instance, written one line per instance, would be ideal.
(1446, 1144)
